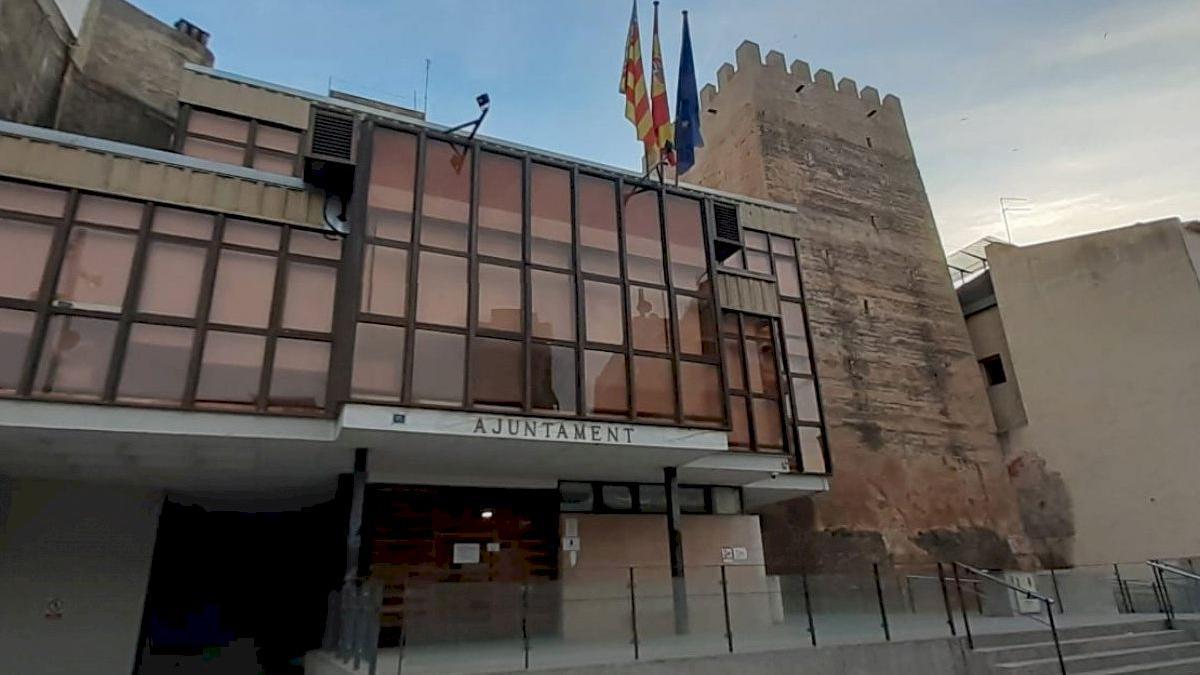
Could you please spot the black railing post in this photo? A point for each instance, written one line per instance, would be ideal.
(812, 627)
(1121, 590)
(633, 615)
(525, 621)
(962, 605)
(1168, 608)
(1062, 665)
(887, 631)
(725, 598)
(1057, 595)
(946, 600)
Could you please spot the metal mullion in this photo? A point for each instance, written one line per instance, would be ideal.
(179, 239)
(496, 260)
(243, 248)
(593, 276)
(787, 396)
(251, 141)
(672, 313)
(274, 322)
(203, 307)
(748, 400)
(498, 334)
(542, 267)
(163, 320)
(579, 298)
(440, 328)
(526, 284)
(444, 251)
(553, 342)
(313, 260)
(414, 257)
(604, 347)
(382, 319)
(630, 385)
(472, 277)
(387, 243)
(49, 221)
(133, 289)
(298, 334)
(54, 262)
(348, 288)
(16, 303)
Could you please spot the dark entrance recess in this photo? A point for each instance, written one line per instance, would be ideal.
(238, 593)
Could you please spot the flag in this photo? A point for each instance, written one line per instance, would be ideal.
(664, 134)
(633, 85)
(687, 107)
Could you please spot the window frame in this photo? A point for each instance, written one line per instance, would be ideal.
(250, 149)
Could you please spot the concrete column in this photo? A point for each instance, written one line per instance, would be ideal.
(675, 547)
(354, 562)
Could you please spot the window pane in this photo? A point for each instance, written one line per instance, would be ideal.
(788, 276)
(700, 386)
(23, 250)
(739, 436)
(499, 206)
(758, 262)
(553, 377)
(768, 429)
(497, 372)
(230, 368)
(438, 361)
(220, 126)
(378, 362)
(171, 281)
(652, 498)
(15, 327)
(283, 140)
(214, 151)
(760, 364)
(655, 394)
(265, 160)
(783, 246)
(726, 501)
(733, 364)
(390, 196)
(308, 304)
(605, 315)
(685, 237)
(315, 244)
(650, 324)
(31, 199)
(697, 326)
(553, 305)
(445, 205)
(385, 280)
(643, 238)
(793, 318)
(598, 249)
(617, 497)
(244, 288)
(805, 391)
(604, 384)
(500, 298)
(550, 193)
(811, 455)
(299, 375)
(182, 223)
(257, 235)
(691, 500)
(754, 240)
(575, 497)
(96, 268)
(75, 357)
(104, 211)
(156, 364)
(442, 290)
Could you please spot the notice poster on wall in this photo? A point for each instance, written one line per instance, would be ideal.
(466, 554)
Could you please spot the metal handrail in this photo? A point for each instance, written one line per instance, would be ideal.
(1172, 569)
(1044, 599)
(1168, 606)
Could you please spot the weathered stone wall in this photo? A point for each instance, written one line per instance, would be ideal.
(917, 471)
(34, 45)
(124, 84)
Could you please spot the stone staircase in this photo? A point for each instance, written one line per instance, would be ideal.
(1133, 648)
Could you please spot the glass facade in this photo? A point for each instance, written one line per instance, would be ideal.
(220, 137)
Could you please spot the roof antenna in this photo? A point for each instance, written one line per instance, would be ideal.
(425, 102)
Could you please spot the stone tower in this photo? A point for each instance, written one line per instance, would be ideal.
(918, 473)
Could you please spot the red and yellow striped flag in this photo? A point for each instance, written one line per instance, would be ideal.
(633, 85)
(664, 131)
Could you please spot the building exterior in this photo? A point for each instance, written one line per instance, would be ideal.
(1088, 345)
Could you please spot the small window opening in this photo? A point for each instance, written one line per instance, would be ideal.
(993, 369)
(869, 142)
(799, 89)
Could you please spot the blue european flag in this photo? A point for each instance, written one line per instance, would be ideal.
(687, 107)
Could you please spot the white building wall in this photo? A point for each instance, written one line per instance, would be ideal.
(90, 547)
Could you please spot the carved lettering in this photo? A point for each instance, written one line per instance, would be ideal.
(579, 431)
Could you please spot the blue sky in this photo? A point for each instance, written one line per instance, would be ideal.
(1089, 108)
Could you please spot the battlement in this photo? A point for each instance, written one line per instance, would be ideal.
(798, 80)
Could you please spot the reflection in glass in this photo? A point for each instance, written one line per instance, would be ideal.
(96, 268)
(768, 428)
(685, 240)
(733, 364)
(244, 288)
(604, 384)
(805, 391)
(385, 280)
(700, 388)
(575, 497)
(811, 455)
(393, 176)
(105, 211)
(214, 151)
(499, 206)
(182, 223)
(299, 374)
(15, 327)
(445, 204)
(317, 245)
(378, 362)
(650, 325)
(23, 250)
(553, 297)
(552, 373)
(308, 304)
(739, 436)
(230, 368)
(255, 235)
(643, 237)
(697, 326)
(550, 194)
(598, 248)
(156, 364)
(655, 388)
(218, 126)
(604, 320)
(497, 373)
(442, 289)
(500, 298)
(438, 363)
(75, 356)
(788, 276)
(616, 497)
(32, 199)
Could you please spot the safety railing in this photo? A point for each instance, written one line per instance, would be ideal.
(1161, 570)
(352, 624)
(1047, 603)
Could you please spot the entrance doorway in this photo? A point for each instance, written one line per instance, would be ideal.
(236, 592)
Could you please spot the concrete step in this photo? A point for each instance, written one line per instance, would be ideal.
(1088, 663)
(1177, 667)
(1067, 633)
(1087, 645)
